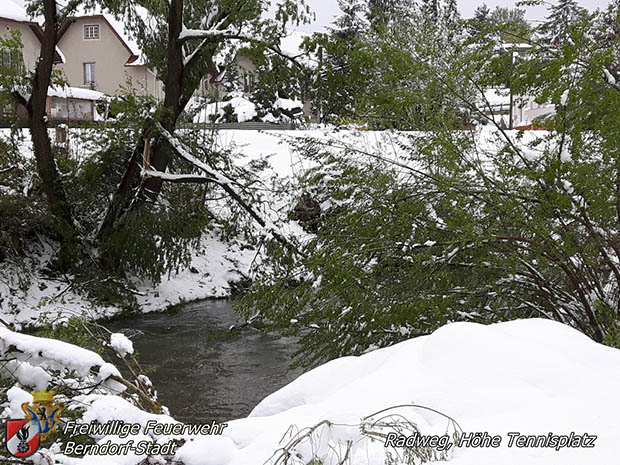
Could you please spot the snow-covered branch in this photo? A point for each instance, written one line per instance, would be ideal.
(192, 56)
(177, 178)
(36, 355)
(227, 184)
(610, 79)
(187, 34)
(182, 151)
(215, 10)
(6, 170)
(226, 34)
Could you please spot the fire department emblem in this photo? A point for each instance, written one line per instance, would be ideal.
(23, 436)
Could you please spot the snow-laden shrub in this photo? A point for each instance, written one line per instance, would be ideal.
(81, 378)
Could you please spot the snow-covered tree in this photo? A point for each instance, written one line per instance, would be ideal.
(451, 20)
(562, 15)
(431, 10)
(450, 12)
(382, 12)
(479, 20)
(31, 94)
(449, 227)
(481, 13)
(181, 39)
(511, 24)
(352, 20)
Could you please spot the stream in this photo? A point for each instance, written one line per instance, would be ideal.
(203, 371)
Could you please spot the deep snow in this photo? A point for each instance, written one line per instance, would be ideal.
(532, 376)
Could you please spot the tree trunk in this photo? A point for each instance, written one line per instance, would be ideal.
(122, 196)
(160, 152)
(37, 121)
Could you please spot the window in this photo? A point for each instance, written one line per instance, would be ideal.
(91, 31)
(89, 73)
(248, 82)
(11, 62)
(7, 109)
(6, 59)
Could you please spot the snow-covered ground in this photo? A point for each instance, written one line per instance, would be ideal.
(215, 265)
(532, 377)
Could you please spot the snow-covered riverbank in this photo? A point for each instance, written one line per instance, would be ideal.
(525, 378)
(29, 296)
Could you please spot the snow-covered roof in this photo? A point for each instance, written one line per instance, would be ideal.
(291, 43)
(75, 92)
(61, 56)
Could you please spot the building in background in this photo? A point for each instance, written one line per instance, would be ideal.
(100, 56)
(95, 56)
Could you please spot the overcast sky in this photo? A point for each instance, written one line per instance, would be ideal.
(326, 9)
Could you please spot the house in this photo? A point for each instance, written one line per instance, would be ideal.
(101, 56)
(14, 18)
(95, 53)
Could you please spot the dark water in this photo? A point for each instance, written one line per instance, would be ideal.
(203, 371)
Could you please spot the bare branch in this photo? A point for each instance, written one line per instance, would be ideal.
(7, 170)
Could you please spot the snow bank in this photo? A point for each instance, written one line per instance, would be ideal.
(244, 109)
(528, 376)
(534, 377)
